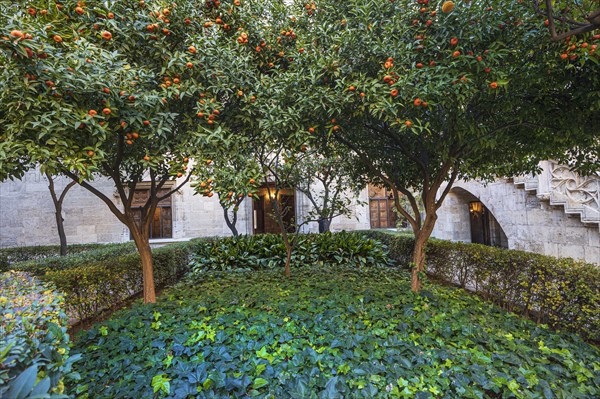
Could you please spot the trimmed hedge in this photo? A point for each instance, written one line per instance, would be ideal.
(34, 345)
(268, 251)
(103, 252)
(97, 285)
(9, 256)
(561, 292)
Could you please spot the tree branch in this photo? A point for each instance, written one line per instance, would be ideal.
(448, 187)
(113, 208)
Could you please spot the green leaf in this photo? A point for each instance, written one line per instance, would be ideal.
(21, 387)
(259, 383)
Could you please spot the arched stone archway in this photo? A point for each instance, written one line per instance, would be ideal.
(466, 217)
(530, 222)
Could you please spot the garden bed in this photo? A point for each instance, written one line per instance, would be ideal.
(331, 333)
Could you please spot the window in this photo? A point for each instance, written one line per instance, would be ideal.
(162, 220)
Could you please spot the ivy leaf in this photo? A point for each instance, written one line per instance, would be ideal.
(259, 383)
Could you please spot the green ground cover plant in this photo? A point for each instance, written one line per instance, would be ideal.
(561, 292)
(34, 345)
(328, 332)
(104, 278)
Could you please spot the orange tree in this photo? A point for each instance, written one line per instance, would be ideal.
(125, 90)
(427, 92)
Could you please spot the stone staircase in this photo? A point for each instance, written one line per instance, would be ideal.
(557, 184)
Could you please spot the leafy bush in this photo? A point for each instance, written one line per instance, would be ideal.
(34, 345)
(99, 284)
(268, 251)
(103, 252)
(9, 256)
(329, 332)
(561, 292)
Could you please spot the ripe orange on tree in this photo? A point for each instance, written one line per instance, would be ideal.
(447, 7)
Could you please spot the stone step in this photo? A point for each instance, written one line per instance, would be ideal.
(577, 196)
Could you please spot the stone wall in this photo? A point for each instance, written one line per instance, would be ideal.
(530, 224)
(27, 214)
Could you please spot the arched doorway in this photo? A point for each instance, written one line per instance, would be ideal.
(468, 219)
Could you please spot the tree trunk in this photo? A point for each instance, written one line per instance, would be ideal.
(288, 259)
(61, 229)
(324, 225)
(231, 223)
(142, 242)
(418, 260)
(421, 237)
(58, 201)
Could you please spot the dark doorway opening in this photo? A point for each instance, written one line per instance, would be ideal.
(264, 211)
(485, 229)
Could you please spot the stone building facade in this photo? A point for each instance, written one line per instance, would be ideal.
(27, 215)
(554, 213)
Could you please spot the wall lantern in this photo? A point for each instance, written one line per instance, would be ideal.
(475, 207)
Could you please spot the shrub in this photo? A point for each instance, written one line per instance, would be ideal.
(339, 332)
(9, 256)
(268, 251)
(561, 292)
(34, 354)
(102, 253)
(99, 284)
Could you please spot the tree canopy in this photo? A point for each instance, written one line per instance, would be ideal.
(428, 92)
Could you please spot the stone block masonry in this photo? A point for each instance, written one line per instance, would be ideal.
(530, 223)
